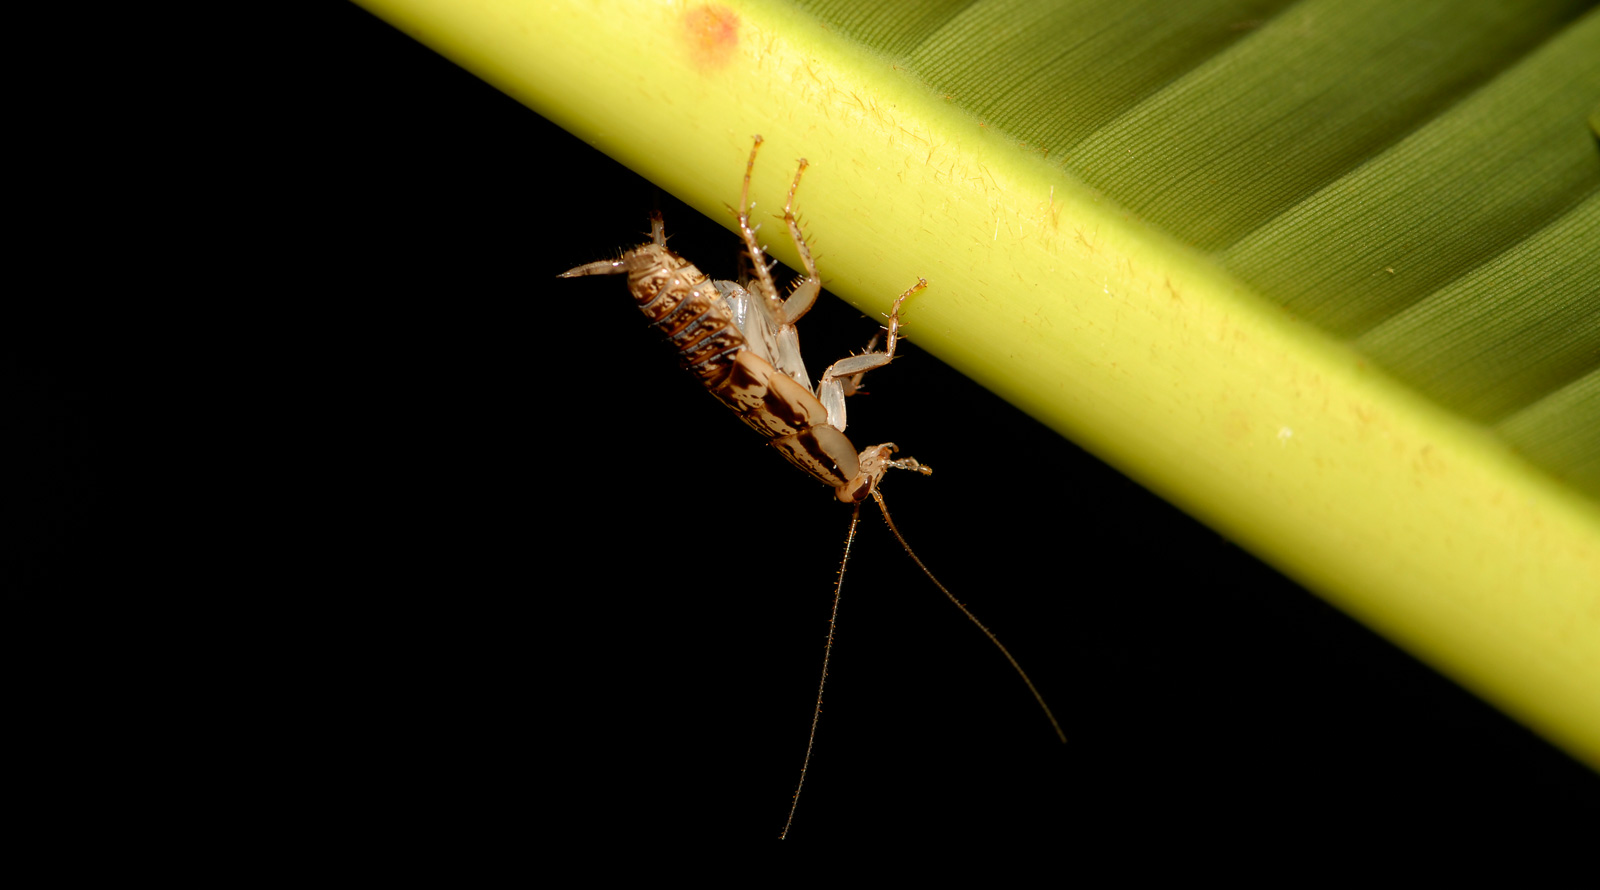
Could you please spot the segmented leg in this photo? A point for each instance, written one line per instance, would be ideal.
(782, 312)
(844, 376)
(852, 384)
(805, 291)
(768, 290)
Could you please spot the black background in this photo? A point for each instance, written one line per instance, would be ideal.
(438, 539)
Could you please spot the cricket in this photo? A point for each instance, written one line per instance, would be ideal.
(739, 339)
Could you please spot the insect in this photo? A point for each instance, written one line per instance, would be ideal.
(739, 340)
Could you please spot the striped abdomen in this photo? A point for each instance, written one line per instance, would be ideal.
(686, 306)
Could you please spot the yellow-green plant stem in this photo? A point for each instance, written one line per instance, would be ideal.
(1130, 343)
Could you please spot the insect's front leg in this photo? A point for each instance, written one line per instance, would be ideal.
(843, 377)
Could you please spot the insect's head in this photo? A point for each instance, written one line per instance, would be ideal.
(874, 462)
(858, 489)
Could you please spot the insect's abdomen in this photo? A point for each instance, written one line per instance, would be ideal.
(789, 414)
(684, 305)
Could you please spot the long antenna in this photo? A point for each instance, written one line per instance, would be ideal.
(827, 650)
(965, 611)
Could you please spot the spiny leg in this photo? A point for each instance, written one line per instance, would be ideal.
(856, 365)
(805, 291)
(893, 328)
(852, 384)
(844, 376)
(769, 291)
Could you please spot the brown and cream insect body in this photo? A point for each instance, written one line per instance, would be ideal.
(739, 340)
(743, 347)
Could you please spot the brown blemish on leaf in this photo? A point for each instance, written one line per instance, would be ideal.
(712, 33)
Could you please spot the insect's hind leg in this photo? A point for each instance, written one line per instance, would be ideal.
(843, 377)
(805, 291)
(768, 292)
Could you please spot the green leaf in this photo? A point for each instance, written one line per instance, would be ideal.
(1323, 274)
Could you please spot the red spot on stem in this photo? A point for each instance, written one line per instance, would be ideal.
(713, 34)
